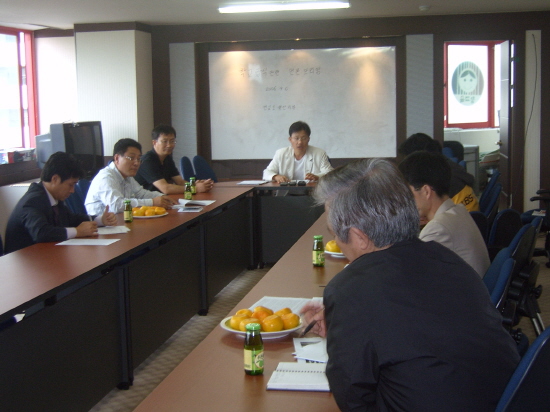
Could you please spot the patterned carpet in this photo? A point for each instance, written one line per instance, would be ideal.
(155, 368)
(149, 374)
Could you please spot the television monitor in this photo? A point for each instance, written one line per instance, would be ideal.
(84, 140)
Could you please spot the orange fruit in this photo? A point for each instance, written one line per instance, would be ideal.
(244, 322)
(139, 213)
(258, 308)
(331, 246)
(247, 312)
(261, 314)
(144, 208)
(283, 311)
(235, 321)
(272, 323)
(135, 209)
(290, 320)
(160, 210)
(150, 212)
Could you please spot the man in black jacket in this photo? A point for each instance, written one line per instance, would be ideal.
(409, 325)
(41, 215)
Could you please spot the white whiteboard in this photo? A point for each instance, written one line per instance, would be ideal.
(346, 95)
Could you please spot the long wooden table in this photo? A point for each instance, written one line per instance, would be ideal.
(211, 377)
(107, 308)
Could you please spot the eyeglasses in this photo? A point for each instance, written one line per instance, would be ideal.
(133, 159)
(167, 142)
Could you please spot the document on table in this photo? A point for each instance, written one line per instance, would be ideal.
(253, 182)
(192, 202)
(112, 230)
(310, 350)
(292, 376)
(276, 303)
(87, 242)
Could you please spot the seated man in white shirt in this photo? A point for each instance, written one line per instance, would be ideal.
(429, 177)
(299, 161)
(115, 183)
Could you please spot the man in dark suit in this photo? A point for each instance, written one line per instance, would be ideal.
(41, 215)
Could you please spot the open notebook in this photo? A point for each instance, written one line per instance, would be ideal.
(293, 376)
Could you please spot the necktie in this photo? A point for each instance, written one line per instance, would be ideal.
(56, 215)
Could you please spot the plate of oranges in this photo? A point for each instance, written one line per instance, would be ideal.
(274, 324)
(332, 249)
(148, 212)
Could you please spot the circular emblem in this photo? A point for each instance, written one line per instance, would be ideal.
(467, 83)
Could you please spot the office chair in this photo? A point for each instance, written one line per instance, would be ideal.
(527, 389)
(75, 203)
(484, 198)
(82, 187)
(530, 215)
(203, 169)
(186, 168)
(523, 289)
(491, 207)
(506, 225)
(482, 224)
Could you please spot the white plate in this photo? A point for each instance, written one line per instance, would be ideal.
(335, 254)
(265, 335)
(150, 217)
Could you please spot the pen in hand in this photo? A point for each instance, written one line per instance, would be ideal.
(308, 328)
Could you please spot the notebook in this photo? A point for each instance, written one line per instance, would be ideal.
(293, 376)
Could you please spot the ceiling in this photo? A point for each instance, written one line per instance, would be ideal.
(63, 14)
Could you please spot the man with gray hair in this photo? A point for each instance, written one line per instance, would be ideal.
(409, 324)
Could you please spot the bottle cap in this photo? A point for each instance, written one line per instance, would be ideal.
(253, 326)
(318, 237)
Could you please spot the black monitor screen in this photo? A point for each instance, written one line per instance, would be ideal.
(84, 140)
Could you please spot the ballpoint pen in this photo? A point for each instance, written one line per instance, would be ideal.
(308, 328)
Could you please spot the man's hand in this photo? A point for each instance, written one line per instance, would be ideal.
(86, 229)
(315, 311)
(109, 218)
(312, 177)
(204, 185)
(280, 178)
(164, 201)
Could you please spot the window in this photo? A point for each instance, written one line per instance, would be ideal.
(17, 100)
(472, 81)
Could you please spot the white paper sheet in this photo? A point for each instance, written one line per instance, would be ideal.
(112, 230)
(87, 242)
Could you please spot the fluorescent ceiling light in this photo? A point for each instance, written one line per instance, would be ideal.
(284, 5)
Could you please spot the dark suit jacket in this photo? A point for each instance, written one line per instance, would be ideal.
(32, 220)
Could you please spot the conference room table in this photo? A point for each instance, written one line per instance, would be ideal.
(211, 377)
(99, 311)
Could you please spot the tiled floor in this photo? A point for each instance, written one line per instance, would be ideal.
(155, 368)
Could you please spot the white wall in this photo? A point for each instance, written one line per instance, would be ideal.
(420, 65)
(532, 118)
(115, 84)
(184, 107)
(56, 81)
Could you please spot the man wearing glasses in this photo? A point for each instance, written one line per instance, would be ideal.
(158, 170)
(115, 183)
(299, 161)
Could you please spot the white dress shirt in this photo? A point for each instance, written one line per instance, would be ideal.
(109, 187)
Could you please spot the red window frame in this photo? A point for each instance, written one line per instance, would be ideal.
(29, 74)
(490, 85)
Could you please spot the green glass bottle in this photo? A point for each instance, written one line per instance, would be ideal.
(128, 215)
(188, 194)
(253, 350)
(318, 251)
(193, 183)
